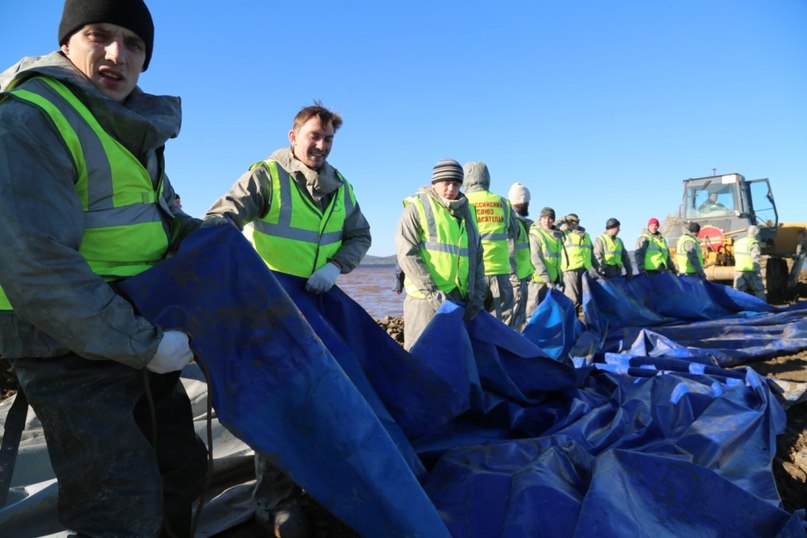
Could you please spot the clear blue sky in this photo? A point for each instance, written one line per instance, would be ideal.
(601, 108)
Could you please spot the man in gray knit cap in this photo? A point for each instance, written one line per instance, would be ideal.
(76, 133)
(439, 251)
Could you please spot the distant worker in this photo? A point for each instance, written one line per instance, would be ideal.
(498, 228)
(747, 268)
(652, 253)
(546, 249)
(688, 253)
(711, 205)
(576, 259)
(398, 279)
(521, 268)
(439, 250)
(610, 255)
(307, 223)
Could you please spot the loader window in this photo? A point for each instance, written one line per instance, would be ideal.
(762, 204)
(715, 203)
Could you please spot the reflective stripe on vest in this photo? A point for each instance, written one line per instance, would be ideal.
(656, 252)
(443, 247)
(551, 249)
(578, 251)
(521, 264)
(296, 237)
(613, 250)
(493, 221)
(681, 258)
(743, 260)
(124, 231)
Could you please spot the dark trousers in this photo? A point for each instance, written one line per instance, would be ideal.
(122, 469)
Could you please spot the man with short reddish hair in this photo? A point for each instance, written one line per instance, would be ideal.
(305, 222)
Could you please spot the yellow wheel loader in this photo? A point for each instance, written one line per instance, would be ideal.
(725, 206)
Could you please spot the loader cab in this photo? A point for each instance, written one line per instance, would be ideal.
(730, 203)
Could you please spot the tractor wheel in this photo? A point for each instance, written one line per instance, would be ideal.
(774, 275)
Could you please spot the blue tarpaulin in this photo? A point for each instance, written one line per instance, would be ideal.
(480, 431)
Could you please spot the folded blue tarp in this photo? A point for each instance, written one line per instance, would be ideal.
(510, 439)
(661, 315)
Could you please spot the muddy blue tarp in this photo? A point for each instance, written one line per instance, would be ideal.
(479, 431)
(664, 316)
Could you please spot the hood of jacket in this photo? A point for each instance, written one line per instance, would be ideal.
(477, 177)
(142, 122)
(319, 183)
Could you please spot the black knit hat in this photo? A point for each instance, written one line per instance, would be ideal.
(130, 14)
(447, 170)
(612, 223)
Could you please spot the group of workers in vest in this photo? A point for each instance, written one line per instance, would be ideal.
(75, 124)
(440, 260)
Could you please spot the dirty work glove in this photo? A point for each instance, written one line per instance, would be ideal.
(323, 279)
(216, 220)
(173, 353)
(471, 310)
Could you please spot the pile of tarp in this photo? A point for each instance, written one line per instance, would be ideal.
(624, 426)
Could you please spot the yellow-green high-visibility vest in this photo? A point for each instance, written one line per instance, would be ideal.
(443, 247)
(493, 221)
(551, 249)
(578, 251)
(681, 258)
(296, 237)
(125, 232)
(656, 252)
(613, 250)
(521, 264)
(743, 261)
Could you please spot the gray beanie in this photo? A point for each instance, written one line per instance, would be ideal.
(447, 170)
(130, 14)
(612, 223)
(518, 194)
(548, 212)
(572, 217)
(694, 227)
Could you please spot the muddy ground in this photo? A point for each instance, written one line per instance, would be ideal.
(789, 465)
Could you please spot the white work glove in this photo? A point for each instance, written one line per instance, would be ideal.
(436, 299)
(173, 353)
(323, 279)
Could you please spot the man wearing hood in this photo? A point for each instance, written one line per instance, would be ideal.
(305, 222)
(747, 268)
(498, 228)
(439, 250)
(86, 203)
